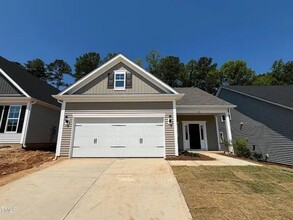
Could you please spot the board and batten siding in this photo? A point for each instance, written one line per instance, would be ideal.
(267, 126)
(43, 125)
(7, 89)
(210, 127)
(118, 108)
(100, 84)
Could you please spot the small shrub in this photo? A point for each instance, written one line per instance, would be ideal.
(240, 147)
(258, 156)
(190, 154)
(225, 145)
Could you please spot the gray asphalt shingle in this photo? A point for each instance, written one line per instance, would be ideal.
(279, 94)
(196, 96)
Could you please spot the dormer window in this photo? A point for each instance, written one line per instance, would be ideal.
(119, 80)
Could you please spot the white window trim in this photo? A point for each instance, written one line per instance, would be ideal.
(222, 138)
(119, 72)
(13, 118)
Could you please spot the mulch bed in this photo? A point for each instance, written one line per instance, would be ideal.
(190, 156)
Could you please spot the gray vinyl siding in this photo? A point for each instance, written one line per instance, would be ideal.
(210, 127)
(7, 89)
(267, 126)
(41, 124)
(118, 107)
(100, 84)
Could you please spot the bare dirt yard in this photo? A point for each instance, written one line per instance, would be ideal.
(16, 162)
(248, 192)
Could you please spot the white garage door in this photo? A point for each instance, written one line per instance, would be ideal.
(119, 137)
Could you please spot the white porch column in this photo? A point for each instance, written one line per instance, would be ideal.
(228, 131)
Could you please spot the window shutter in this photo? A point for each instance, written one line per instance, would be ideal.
(110, 80)
(128, 80)
(21, 119)
(4, 119)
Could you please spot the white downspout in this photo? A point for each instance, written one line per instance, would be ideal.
(60, 130)
(26, 122)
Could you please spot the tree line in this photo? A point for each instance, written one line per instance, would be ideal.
(203, 72)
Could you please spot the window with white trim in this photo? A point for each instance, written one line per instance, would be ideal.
(119, 80)
(223, 116)
(222, 137)
(13, 118)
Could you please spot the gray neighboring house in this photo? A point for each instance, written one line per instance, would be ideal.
(264, 114)
(29, 115)
(121, 110)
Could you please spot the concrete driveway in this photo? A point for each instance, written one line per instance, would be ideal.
(96, 189)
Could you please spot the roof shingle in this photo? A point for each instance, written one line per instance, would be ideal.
(33, 86)
(282, 95)
(196, 96)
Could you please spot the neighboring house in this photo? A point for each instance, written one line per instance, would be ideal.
(29, 115)
(264, 115)
(121, 110)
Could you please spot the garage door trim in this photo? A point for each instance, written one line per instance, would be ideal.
(135, 115)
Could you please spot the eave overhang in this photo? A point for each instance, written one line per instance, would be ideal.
(203, 109)
(119, 98)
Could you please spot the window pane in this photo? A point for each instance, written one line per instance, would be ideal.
(119, 84)
(11, 124)
(120, 76)
(14, 112)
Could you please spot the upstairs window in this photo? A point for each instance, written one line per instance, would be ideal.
(119, 80)
(13, 118)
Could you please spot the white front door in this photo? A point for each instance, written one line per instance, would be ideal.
(119, 137)
(194, 135)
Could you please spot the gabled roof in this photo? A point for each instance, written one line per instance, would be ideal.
(198, 97)
(280, 95)
(117, 59)
(28, 84)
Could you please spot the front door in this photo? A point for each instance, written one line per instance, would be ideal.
(194, 136)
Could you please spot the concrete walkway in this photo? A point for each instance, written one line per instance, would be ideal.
(96, 189)
(221, 160)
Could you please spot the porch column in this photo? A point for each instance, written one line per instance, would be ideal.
(228, 131)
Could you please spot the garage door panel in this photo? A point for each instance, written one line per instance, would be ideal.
(121, 137)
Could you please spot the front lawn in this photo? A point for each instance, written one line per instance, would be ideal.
(248, 192)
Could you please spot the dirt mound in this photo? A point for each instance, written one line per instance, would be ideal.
(14, 159)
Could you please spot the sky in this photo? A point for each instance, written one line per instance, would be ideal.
(257, 31)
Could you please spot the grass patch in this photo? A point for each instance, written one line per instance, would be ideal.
(246, 192)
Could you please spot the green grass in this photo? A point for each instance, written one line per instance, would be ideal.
(250, 192)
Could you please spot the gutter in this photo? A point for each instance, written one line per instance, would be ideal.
(24, 141)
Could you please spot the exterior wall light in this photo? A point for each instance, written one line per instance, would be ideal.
(170, 122)
(67, 120)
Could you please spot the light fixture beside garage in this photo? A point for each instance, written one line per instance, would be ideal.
(66, 120)
(170, 122)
